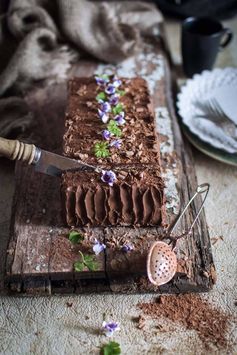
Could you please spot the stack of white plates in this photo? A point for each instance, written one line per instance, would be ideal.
(207, 105)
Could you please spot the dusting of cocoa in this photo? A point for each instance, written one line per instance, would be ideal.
(194, 313)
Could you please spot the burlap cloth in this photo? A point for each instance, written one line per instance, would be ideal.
(39, 40)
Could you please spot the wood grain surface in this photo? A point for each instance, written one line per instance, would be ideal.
(40, 257)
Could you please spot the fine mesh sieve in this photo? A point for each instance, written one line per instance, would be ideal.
(162, 260)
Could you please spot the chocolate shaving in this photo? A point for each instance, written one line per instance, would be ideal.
(136, 162)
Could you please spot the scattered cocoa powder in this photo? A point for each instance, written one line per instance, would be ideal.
(194, 313)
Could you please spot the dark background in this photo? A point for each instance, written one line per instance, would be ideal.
(219, 9)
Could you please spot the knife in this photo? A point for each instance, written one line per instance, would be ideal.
(44, 162)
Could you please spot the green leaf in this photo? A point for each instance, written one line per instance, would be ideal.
(79, 266)
(101, 149)
(90, 262)
(112, 348)
(117, 109)
(101, 96)
(113, 128)
(121, 92)
(104, 76)
(75, 237)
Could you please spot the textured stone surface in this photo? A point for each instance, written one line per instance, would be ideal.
(51, 326)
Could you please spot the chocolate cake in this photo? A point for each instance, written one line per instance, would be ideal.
(110, 123)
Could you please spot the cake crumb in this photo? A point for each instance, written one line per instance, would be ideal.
(214, 240)
(141, 322)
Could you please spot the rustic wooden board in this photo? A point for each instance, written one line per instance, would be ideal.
(40, 258)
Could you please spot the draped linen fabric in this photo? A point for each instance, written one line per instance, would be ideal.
(40, 39)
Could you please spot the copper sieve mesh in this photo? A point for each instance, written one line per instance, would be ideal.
(162, 260)
(162, 264)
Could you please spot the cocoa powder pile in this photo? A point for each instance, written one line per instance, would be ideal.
(194, 313)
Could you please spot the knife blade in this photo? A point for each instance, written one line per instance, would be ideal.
(53, 164)
(44, 162)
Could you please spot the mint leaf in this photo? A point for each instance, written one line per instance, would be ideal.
(117, 109)
(101, 96)
(101, 149)
(75, 237)
(121, 92)
(113, 128)
(112, 348)
(90, 262)
(79, 266)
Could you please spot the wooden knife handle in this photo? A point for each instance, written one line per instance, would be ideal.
(15, 150)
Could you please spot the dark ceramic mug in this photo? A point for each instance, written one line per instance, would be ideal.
(202, 38)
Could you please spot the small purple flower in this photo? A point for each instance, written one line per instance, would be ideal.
(101, 81)
(108, 176)
(120, 119)
(105, 107)
(109, 328)
(104, 117)
(106, 134)
(116, 143)
(117, 82)
(127, 247)
(98, 247)
(114, 99)
(110, 89)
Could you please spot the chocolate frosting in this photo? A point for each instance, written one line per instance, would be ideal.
(126, 205)
(83, 127)
(136, 198)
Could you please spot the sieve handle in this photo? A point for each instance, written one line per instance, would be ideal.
(203, 188)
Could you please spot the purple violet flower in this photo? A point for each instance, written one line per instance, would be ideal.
(114, 99)
(105, 107)
(101, 81)
(108, 176)
(116, 143)
(104, 117)
(127, 247)
(110, 89)
(109, 328)
(117, 82)
(120, 119)
(98, 247)
(106, 134)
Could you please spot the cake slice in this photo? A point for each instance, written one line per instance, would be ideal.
(110, 123)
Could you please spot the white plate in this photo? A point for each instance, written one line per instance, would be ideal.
(227, 98)
(222, 83)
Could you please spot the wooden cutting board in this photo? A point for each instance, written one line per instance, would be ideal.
(40, 257)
